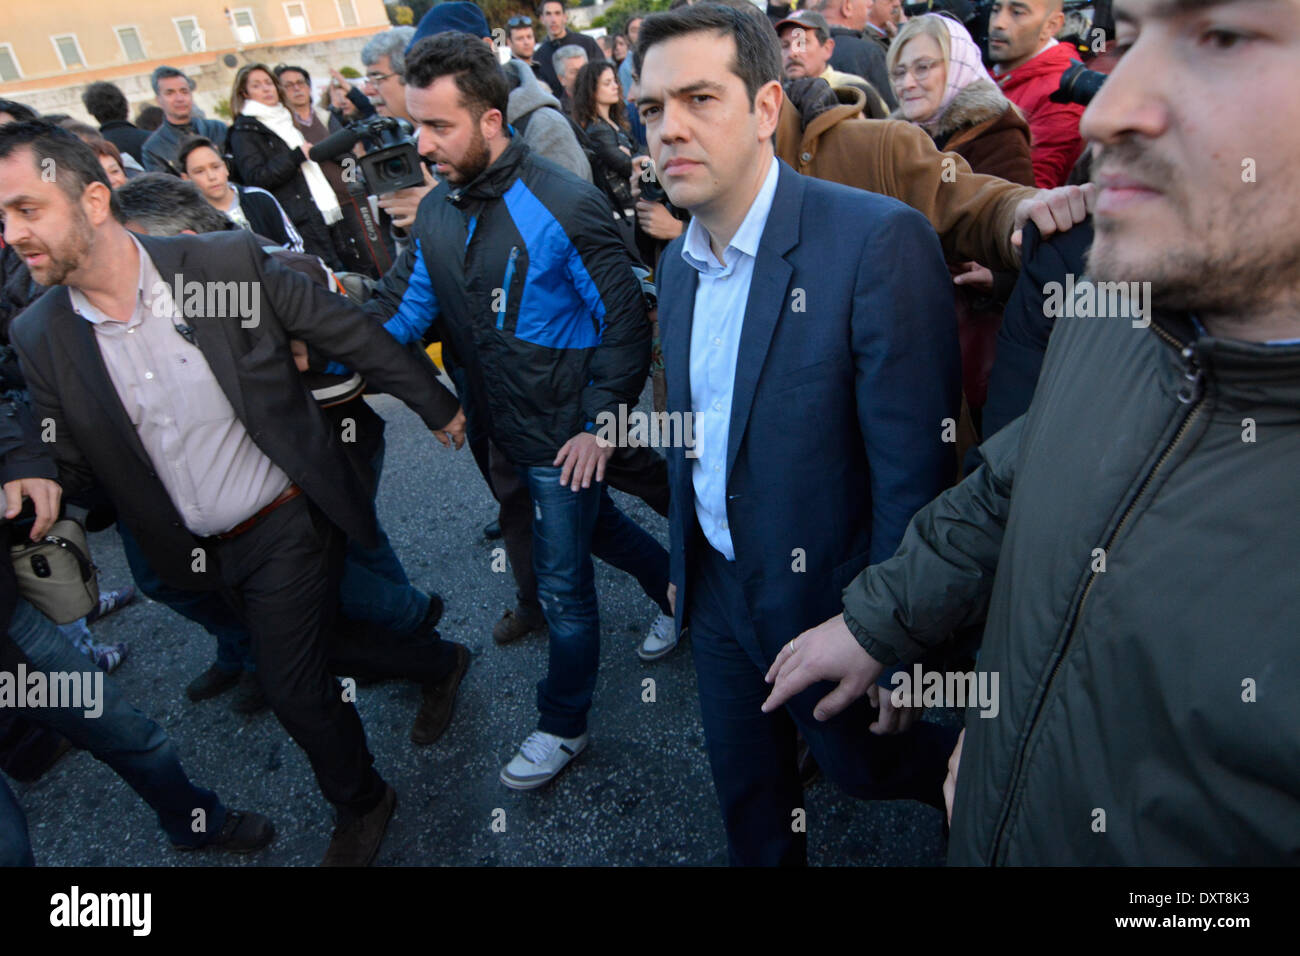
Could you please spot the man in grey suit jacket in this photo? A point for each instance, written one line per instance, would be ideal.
(161, 371)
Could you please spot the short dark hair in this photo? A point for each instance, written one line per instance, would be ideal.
(19, 111)
(584, 95)
(542, 6)
(284, 68)
(479, 77)
(758, 51)
(105, 102)
(74, 126)
(189, 146)
(166, 73)
(150, 117)
(75, 164)
(163, 205)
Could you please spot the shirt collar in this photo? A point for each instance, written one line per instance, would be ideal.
(696, 250)
(81, 305)
(1202, 331)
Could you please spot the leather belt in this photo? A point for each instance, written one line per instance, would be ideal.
(293, 491)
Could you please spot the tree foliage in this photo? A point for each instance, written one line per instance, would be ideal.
(618, 13)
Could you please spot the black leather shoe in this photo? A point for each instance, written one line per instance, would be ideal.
(439, 699)
(357, 843)
(243, 832)
(434, 614)
(249, 698)
(211, 682)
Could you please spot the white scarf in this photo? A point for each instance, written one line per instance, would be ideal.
(279, 121)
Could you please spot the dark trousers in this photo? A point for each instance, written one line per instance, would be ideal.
(204, 608)
(282, 578)
(752, 754)
(635, 471)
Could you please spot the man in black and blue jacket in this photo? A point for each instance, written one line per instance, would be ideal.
(518, 269)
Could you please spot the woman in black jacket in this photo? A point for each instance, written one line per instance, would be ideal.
(268, 151)
(598, 109)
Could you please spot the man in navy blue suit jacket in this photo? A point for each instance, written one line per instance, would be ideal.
(808, 329)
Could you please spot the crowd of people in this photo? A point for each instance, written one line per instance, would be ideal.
(838, 226)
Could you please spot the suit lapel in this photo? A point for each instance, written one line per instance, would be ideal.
(676, 316)
(211, 333)
(767, 299)
(77, 338)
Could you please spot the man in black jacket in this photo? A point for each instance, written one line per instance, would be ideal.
(107, 103)
(532, 290)
(163, 369)
(555, 18)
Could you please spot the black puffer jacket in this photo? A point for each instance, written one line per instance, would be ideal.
(261, 158)
(534, 297)
(1132, 541)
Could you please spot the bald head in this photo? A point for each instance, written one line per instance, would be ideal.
(1019, 29)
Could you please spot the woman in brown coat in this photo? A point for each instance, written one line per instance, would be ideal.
(942, 86)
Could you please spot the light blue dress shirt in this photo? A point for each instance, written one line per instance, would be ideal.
(719, 315)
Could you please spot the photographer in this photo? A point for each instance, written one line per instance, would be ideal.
(384, 57)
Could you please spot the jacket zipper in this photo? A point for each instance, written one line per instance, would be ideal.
(1190, 394)
(505, 286)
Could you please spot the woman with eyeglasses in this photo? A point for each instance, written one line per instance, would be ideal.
(943, 87)
(269, 152)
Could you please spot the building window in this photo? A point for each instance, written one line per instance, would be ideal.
(296, 14)
(245, 29)
(192, 38)
(69, 50)
(347, 12)
(129, 37)
(8, 64)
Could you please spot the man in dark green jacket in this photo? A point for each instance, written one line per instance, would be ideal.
(1130, 543)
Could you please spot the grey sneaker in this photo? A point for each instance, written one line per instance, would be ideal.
(540, 758)
(660, 641)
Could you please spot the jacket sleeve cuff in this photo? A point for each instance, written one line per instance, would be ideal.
(28, 467)
(881, 652)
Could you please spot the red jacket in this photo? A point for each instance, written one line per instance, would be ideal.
(1053, 127)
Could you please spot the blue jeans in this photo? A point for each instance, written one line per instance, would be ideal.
(133, 745)
(375, 587)
(565, 526)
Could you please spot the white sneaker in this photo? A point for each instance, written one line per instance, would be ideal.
(540, 758)
(660, 641)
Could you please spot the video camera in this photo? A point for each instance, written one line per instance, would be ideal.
(394, 165)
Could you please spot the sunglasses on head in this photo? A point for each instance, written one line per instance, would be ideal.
(519, 22)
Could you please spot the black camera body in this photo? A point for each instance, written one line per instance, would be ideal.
(394, 164)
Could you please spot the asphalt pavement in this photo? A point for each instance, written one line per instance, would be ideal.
(641, 794)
